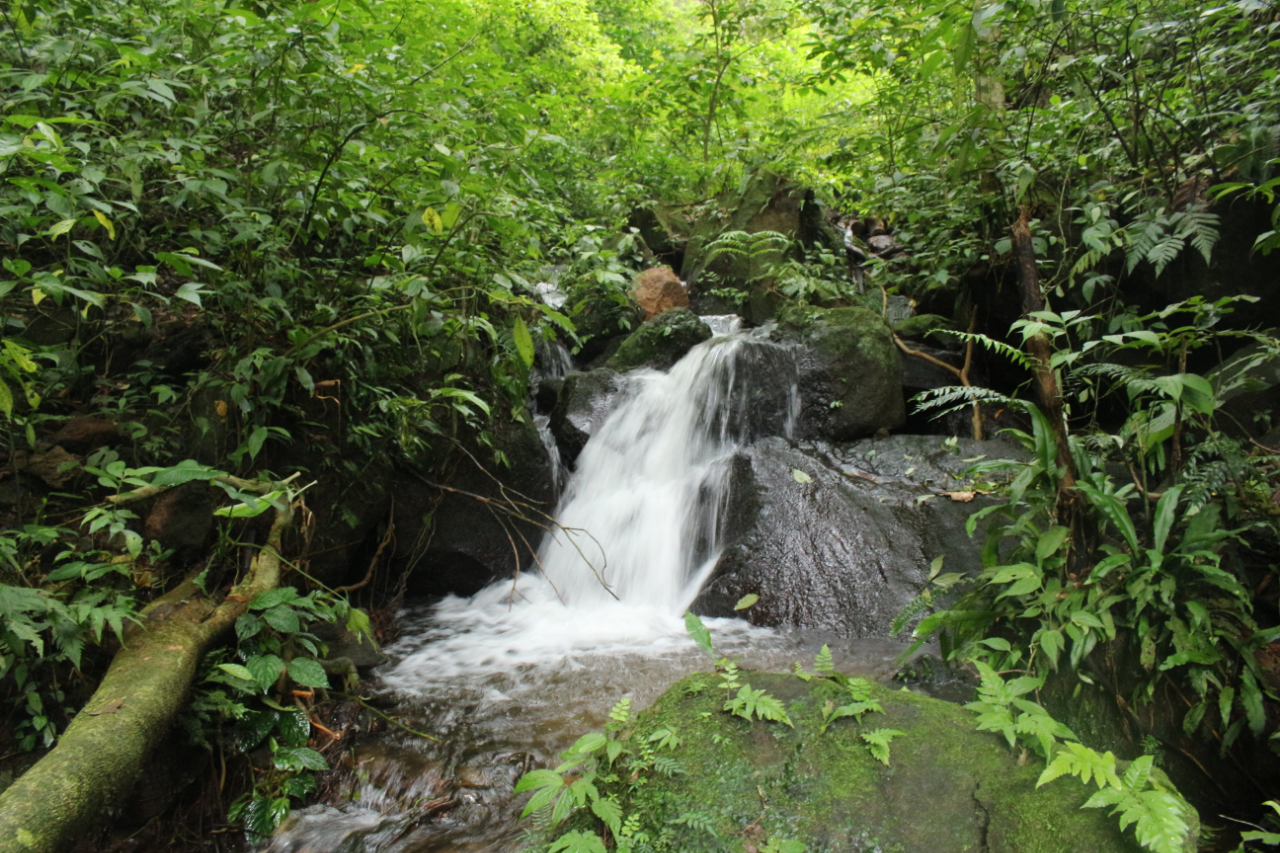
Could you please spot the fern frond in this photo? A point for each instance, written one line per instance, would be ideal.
(1076, 759)
(1163, 252)
(877, 742)
(696, 820)
(1200, 228)
(954, 397)
(1014, 354)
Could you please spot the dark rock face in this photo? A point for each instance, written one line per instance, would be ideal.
(469, 541)
(586, 399)
(850, 376)
(849, 547)
(661, 342)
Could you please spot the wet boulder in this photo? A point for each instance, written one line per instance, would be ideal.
(841, 537)
(660, 342)
(940, 785)
(477, 519)
(586, 399)
(850, 375)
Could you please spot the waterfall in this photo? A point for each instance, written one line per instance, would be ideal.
(638, 529)
(642, 518)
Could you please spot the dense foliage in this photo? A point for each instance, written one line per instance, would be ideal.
(214, 213)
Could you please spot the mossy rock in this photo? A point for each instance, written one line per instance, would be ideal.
(850, 375)
(947, 787)
(661, 342)
(934, 327)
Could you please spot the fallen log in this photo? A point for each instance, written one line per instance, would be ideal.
(101, 754)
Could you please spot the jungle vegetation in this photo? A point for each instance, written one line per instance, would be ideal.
(354, 200)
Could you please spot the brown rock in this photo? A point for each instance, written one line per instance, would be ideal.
(46, 466)
(659, 290)
(83, 434)
(181, 518)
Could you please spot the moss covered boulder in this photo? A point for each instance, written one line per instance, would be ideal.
(850, 375)
(946, 788)
(661, 342)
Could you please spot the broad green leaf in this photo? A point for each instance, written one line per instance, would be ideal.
(588, 743)
(308, 672)
(237, 670)
(746, 601)
(265, 669)
(800, 476)
(699, 633)
(523, 341)
(60, 228)
(1051, 541)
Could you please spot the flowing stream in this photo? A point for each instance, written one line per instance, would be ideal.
(512, 676)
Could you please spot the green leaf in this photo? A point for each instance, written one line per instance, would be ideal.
(577, 842)
(6, 399)
(523, 340)
(588, 743)
(1050, 542)
(746, 601)
(1051, 643)
(294, 727)
(265, 669)
(283, 618)
(308, 672)
(610, 813)
(878, 740)
(237, 670)
(699, 633)
(1165, 516)
(256, 440)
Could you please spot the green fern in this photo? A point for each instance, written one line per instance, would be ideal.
(822, 663)
(954, 397)
(757, 703)
(696, 820)
(877, 741)
(610, 813)
(577, 842)
(1014, 354)
(1076, 759)
(1155, 815)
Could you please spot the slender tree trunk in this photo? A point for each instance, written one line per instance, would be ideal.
(100, 756)
(1041, 352)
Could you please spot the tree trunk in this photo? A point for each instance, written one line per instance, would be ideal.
(1041, 351)
(100, 756)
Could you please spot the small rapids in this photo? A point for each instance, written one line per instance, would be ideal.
(507, 679)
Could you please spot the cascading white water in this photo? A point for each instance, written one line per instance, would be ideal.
(640, 522)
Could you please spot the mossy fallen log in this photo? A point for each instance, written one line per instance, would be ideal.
(101, 754)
